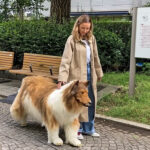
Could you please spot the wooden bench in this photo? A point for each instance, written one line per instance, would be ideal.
(6, 60)
(38, 64)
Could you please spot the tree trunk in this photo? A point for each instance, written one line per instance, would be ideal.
(36, 9)
(21, 14)
(60, 10)
(20, 10)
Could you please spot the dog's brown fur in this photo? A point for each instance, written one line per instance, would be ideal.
(38, 95)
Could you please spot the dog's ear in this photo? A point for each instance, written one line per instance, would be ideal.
(74, 88)
(76, 82)
(86, 83)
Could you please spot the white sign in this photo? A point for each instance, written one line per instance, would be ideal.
(142, 45)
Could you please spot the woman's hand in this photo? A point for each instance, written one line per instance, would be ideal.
(99, 78)
(60, 83)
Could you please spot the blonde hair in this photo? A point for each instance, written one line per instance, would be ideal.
(80, 20)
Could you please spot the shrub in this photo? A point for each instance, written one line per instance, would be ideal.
(110, 47)
(146, 68)
(48, 37)
(33, 37)
(123, 31)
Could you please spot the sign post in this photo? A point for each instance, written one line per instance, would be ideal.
(132, 55)
(140, 41)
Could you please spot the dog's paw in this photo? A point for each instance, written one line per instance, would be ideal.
(49, 142)
(42, 125)
(58, 141)
(75, 142)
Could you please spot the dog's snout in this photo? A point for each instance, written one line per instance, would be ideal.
(90, 103)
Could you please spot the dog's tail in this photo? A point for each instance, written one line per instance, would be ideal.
(17, 110)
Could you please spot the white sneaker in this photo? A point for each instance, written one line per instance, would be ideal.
(80, 136)
(95, 134)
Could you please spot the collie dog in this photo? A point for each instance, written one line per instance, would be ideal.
(40, 98)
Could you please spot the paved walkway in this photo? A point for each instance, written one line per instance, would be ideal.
(113, 135)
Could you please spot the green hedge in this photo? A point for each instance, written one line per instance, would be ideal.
(47, 37)
(110, 47)
(33, 37)
(123, 31)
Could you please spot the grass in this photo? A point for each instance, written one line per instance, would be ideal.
(120, 105)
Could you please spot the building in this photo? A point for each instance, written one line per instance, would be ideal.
(100, 7)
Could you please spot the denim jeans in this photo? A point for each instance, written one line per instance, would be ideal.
(88, 127)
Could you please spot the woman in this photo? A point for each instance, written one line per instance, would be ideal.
(80, 61)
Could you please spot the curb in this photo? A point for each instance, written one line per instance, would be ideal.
(124, 122)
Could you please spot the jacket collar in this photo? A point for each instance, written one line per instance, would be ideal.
(90, 40)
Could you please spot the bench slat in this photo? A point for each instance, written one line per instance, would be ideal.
(25, 72)
(4, 68)
(42, 62)
(42, 68)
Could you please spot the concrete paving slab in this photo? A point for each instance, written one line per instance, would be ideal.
(2, 80)
(6, 90)
(106, 89)
(12, 83)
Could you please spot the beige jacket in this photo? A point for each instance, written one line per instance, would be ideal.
(74, 67)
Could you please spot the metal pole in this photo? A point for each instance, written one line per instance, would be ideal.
(132, 55)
